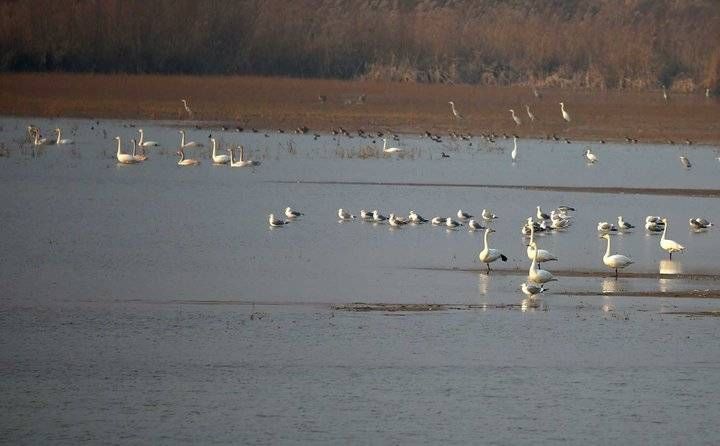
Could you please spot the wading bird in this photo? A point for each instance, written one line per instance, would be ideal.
(615, 261)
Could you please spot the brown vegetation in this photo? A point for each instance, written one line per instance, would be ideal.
(270, 103)
(596, 44)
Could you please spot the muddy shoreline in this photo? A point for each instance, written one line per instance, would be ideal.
(287, 104)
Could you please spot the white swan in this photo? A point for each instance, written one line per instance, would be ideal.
(514, 152)
(542, 254)
(344, 215)
(536, 274)
(565, 114)
(189, 144)
(489, 255)
(123, 158)
(143, 143)
(218, 159)
(37, 141)
(387, 149)
(615, 261)
(589, 156)
(275, 221)
(186, 162)
(290, 213)
(59, 139)
(515, 117)
(136, 156)
(454, 110)
(242, 162)
(670, 246)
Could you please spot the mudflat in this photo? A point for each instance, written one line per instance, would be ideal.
(322, 105)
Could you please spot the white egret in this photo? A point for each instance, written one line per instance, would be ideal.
(514, 152)
(515, 117)
(565, 114)
(454, 110)
(530, 114)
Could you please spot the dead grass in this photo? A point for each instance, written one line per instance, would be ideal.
(272, 103)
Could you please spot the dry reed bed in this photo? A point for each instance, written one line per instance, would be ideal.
(270, 103)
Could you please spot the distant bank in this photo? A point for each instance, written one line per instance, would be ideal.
(323, 105)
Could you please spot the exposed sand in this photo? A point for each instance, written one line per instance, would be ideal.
(279, 103)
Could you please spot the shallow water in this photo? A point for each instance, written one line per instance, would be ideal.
(104, 266)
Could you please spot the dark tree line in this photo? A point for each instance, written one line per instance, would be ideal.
(580, 43)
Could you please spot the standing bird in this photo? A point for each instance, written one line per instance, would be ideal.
(532, 249)
(290, 213)
(536, 274)
(454, 111)
(187, 108)
(515, 117)
(529, 113)
(590, 157)
(615, 261)
(514, 152)
(685, 162)
(670, 246)
(565, 115)
(488, 255)
(666, 97)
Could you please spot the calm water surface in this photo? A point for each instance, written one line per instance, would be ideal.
(151, 303)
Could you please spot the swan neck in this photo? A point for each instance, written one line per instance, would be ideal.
(214, 146)
(487, 234)
(134, 148)
(664, 231)
(57, 141)
(118, 147)
(607, 251)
